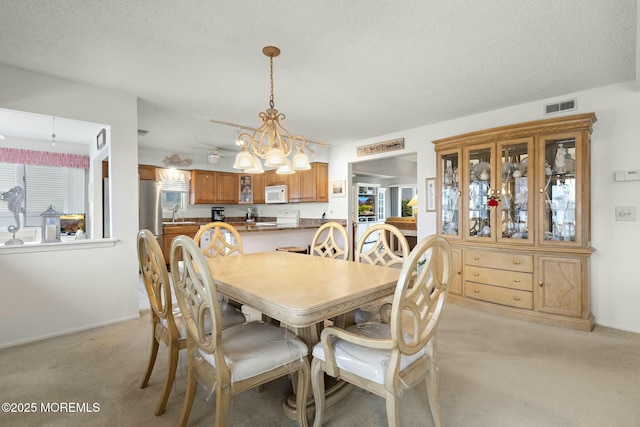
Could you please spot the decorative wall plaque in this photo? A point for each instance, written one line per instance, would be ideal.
(380, 147)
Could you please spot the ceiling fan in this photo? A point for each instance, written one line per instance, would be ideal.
(213, 156)
(249, 128)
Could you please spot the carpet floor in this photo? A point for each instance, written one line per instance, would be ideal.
(493, 372)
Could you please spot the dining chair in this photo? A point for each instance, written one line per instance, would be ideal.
(167, 326)
(387, 359)
(228, 362)
(390, 249)
(330, 241)
(219, 239)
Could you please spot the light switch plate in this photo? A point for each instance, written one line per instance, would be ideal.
(626, 213)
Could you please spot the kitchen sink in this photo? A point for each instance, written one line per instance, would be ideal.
(179, 223)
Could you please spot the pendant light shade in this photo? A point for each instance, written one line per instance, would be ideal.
(243, 160)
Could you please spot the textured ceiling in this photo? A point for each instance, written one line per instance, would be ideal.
(349, 70)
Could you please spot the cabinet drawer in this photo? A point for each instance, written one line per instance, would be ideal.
(501, 260)
(504, 278)
(498, 295)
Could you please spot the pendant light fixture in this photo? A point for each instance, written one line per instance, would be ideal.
(271, 141)
(53, 133)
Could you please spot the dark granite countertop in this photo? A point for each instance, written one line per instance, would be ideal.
(262, 224)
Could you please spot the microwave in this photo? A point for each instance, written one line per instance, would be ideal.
(276, 194)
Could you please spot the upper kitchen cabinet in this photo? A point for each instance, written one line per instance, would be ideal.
(310, 185)
(272, 178)
(258, 183)
(515, 201)
(251, 189)
(147, 172)
(227, 187)
(203, 187)
(209, 187)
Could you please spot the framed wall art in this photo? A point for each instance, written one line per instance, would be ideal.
(101, 139)
(431, 194)
(338, 189)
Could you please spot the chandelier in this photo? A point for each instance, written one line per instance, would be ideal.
(271, 141)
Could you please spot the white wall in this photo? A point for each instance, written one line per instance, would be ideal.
(615, 270)
(56, 291)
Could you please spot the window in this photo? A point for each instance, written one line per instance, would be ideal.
(175, 188)
(61, 187)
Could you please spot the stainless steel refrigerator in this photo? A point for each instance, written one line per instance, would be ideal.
(150, 207)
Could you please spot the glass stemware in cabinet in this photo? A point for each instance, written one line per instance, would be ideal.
(560, 190)
(514, 191)
(480, 193)
(450, 194)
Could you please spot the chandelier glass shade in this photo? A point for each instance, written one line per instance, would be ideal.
(271, 141)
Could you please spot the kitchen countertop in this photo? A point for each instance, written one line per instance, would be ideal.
(245, 227)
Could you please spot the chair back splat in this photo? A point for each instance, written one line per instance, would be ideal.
(219, 239)
(383, 251)
(330, 241)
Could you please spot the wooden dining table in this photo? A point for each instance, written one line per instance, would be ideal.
(302, 291)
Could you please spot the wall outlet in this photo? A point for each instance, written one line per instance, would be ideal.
(626, 213)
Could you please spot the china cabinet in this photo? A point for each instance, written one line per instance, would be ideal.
(514, 201)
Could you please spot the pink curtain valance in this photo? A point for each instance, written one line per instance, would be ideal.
(43, 158)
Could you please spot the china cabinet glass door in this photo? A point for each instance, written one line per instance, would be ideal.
(449, 173)
(481, 195)
(514, 191)
(559, 187)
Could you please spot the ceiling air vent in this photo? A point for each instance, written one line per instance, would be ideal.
(561, 106)
(142, 132)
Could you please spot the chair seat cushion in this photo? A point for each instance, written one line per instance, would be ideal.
(368, 363)
(230, 316)
(253, 348)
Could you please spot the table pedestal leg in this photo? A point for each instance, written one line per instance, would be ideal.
(333, 395)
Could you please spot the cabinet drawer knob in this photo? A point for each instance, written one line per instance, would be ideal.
(516, 262)
(477, 291)
(476, 258)
(459, 271)
(476, 274)
(540, 284)
(516, 280)
(516, 298)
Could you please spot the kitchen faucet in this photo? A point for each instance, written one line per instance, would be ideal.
(174, 212)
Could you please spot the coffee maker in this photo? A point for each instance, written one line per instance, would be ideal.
(217, 214)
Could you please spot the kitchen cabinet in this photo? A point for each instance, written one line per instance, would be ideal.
(251, 188)
(272, 178)
(258, 181)
(169, 232)
(202, 189)
(515, 202)
(310, 185)
(209, 187)
(227, 187)
(147, 172)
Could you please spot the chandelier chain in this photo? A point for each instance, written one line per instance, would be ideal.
(271, 103)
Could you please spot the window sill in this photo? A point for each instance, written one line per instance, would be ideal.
(31, 247)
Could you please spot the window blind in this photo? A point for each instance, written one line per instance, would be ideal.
(45, 187)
